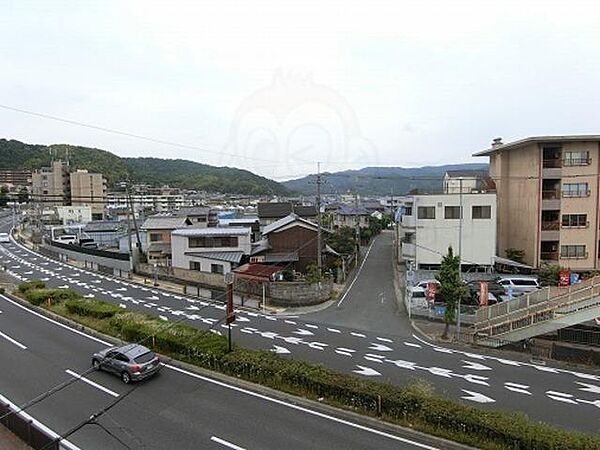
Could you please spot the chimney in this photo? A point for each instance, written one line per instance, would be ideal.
(497, 142)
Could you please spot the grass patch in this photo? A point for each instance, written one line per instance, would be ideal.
(414, 406)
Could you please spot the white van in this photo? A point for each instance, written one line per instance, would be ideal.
(67, 239)
(520, 285)
(418, 297)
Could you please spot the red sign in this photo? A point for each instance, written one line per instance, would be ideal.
(230, 313)
(564, 278)
(483, 293)
(431, 291)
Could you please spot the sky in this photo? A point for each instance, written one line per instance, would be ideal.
(277, 86)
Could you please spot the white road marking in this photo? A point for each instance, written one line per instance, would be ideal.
(303, 332)
(340, 352)
(366, 371)
(309, 325)
(291, 322)
(225, 443)
(403, 364)
(280, 350)
(92, 383)
(518, 388)
(476, 397)
(357, 273)
(561, 397)
(344, 349)
(411, 344)
(333, 330)
(589, 387)
(11, 340)
(470, 365)
(166, 318)
(379, 347)
(360, 335)
(122, 305)
(383, 339)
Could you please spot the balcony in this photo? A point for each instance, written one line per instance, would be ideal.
(551, 199)
(551, 168)
(550, 230)
(408, 222)
(549, 256)
(409, 250)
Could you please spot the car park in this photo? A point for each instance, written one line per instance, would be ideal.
(418, 297)
(132, 362)
(519, 285)
(494, 288)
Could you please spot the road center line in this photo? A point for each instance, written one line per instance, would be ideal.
(357, 273)
(91, 383)
(9, 339)
(225, 443)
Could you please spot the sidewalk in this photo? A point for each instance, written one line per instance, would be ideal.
(9, 441)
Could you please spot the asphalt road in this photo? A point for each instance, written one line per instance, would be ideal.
(562, 396)
(175, 409)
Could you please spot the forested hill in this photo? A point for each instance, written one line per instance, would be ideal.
(174, 172)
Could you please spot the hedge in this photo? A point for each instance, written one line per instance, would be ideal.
(412, 406)
(28, 285)
(52, 296)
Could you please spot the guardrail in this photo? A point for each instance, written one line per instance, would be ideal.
(90, 251)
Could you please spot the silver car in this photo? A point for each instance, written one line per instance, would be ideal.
(132, 362)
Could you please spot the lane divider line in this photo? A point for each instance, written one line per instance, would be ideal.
(357, 273)
(225, 443)
(92, 383)
(9, 339)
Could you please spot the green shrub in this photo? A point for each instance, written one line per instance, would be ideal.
(91, 308)
(39, 296)
(28, 285)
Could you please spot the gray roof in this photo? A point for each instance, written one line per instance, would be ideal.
(260, 246)
(192, 211)
(162, 247)
(105, 225)
(232, 257)
(352, 211)
(165, 223)
(466, 173)
(281, 257)
(539, 139)
(286, 221)
(212, 231)
(282, 209)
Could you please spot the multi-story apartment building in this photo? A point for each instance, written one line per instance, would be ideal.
(51, 186)
(89, 189)
(430, 223)
(15, 178)
(548, 198)
(147, 202)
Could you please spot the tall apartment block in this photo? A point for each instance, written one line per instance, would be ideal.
(548, 199)
(89, 189)
(51, 185)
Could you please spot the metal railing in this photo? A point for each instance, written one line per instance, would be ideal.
(550, 225)
(552, 163)
(539, 306)
(551, 194)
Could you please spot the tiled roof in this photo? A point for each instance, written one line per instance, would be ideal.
(105, 225)
(232, 257)
(212, 231)
(165, 223)
(274, 210)
(286, 221)
(162, 247)
(192, 211)
(257, 272)
(352, 211)
(306, 211)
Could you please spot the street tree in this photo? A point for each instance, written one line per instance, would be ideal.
(3, 196)
(451, 286)
(23, 195)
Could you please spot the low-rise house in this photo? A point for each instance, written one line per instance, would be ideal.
(271, 212)
(347, 216)
(106, 233)
(469, 180)
(244, 222)
(69, 215)
(158, 232)
(200, 216)
(212, 250)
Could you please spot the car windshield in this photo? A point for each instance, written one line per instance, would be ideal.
(144, 358)
(525, 282)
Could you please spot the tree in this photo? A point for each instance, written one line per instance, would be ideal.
(23, 195)
(549, 274)
(514, 254)
(451, 286)
(3, 196)
(343, 240)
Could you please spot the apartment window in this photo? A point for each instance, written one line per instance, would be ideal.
(426, 212)
(452, 212)
(212, 241)
(573, 251)
(481, 212)
(195, 265)
(155, 237)
(576, 159)
(574, 220)
(408, 210)
(575, 190)
(216, 268)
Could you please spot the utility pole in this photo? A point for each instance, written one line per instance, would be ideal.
(319, 235)
(460, 227)
(357, 226)
(137, 231)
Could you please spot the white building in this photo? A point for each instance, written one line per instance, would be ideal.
(74, 214)
(140, 202)
(429, 224)
(469, 181)
(212, 250)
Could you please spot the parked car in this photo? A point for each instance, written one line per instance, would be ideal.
(520, 285)
(132, 362)
(66, 239)
(493, 288)
(418, 297)
(4, 237)
(423, 284)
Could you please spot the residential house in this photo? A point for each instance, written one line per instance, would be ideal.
(467, 180)
(158, 230)
(271, 212)
(245, 222)
(106, 233)
(349, 216)
(213, 250)
(548, 199)
(200, 216)
(429, 224)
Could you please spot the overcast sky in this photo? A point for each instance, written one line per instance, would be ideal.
(275, 86)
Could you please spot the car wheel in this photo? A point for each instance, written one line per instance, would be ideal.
(96, 364)
(126, 378)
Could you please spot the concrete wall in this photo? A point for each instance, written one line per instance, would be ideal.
(299, 293)
(92, 262)
(179, 274)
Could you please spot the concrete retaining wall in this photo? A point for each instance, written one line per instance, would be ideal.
(116, 267)
(180, 275)
(288, 293)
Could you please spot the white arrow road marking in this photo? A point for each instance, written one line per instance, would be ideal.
(153, 297)
(508, 362)
(242, 319)
(475, 379)
(360, 335)
(122, 305)
(165, 319)
(28, 273)
(366, 371)
(89, 295)
(291, 339)
(309, 325)
(442, 350)
(589, 387)
(44, 279)
(476, 397)
(344, 349)
(341, 352)
(411, 344)
(518, 388)
(403, 364)
(193, 308)
(470, 365)
(64, 286)
(440, 371)
(122, 289)
(379, 347)
(561, 397)
(383, 339)
(268, 334)
(303, 332)
(317, 345)
(586, 376)
(596, 403)
(370, 358)
(280, 350)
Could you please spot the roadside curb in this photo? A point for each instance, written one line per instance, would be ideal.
(317, 406)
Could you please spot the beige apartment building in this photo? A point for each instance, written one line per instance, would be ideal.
(548, 198)
(89, 189)
(51, 185)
